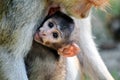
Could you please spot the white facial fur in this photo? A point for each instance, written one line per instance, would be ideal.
(50, 33)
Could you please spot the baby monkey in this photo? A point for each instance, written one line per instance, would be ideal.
(55, 33)
(51, 40)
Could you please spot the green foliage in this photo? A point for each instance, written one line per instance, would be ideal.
(115, 7)
(116, 75)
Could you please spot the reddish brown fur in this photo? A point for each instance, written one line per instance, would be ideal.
(80, 8)
(99, 3)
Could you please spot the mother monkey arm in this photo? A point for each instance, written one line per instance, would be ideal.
(17, 22)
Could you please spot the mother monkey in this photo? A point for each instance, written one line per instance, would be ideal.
(18, 21)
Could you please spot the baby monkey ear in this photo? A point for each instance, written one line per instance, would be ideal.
(53, 10)
(69, 50)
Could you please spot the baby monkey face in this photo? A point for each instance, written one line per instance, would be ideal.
(49, 33)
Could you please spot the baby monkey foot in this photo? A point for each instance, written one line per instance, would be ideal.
(69, 50)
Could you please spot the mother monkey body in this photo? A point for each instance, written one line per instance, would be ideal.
(19, 20)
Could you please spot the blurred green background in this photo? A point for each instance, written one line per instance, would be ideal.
(106, 29)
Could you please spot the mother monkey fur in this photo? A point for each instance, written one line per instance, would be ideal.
(18, 22)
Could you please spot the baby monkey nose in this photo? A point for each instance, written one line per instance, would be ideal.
(43, 33)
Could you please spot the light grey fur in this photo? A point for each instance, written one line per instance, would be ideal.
(17, 25)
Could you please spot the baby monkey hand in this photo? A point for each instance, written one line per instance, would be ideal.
(69, 50)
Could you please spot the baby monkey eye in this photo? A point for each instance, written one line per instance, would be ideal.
(55, 35)
(50, 24)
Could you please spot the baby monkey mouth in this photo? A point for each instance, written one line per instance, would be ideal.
(41, 40)
(38, 38)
